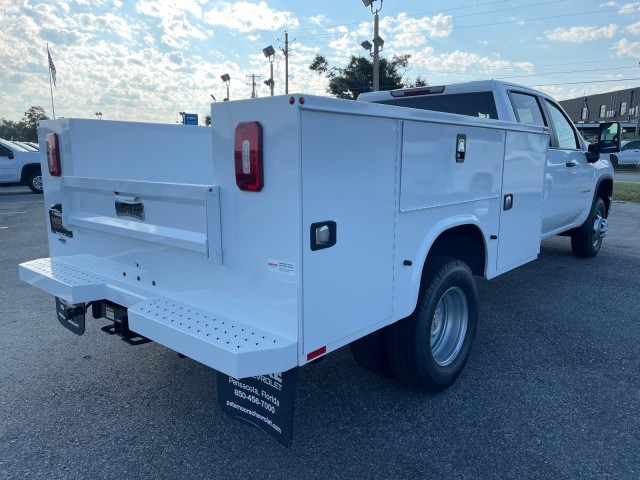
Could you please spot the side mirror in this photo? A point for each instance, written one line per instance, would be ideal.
(10, 155)
(593, 155)
(609, 137)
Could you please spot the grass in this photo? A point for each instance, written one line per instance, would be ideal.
(626, 191)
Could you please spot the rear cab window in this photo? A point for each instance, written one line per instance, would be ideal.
(475, 104)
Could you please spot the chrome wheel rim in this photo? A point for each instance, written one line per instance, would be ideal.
(37, 182)
(449, 326)
(600, 228)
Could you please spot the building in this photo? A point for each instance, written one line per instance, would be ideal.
(617, 106)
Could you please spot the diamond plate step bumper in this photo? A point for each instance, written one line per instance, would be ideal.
(217, 341)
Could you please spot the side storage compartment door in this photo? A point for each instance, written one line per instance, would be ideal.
(522, 196)
(348, 185)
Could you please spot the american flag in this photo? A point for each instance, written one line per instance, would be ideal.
(52, 67)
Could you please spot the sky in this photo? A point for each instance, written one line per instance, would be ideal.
(148, 60)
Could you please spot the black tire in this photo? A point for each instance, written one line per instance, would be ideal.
(614, 161)
(417, 343)
(586, 240)
(34, 181)
(370, 352)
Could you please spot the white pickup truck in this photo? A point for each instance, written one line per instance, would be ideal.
(299, 224)
(20, 163)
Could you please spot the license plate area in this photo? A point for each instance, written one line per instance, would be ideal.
(130, 209)
(71, 315)
(55, 220)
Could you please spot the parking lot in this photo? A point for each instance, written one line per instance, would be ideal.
(552, 388)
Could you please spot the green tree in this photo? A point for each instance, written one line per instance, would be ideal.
(10, 130)
(357, 76)
(26, 129)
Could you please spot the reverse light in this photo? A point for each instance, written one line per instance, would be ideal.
(248, 156)
(53, 155)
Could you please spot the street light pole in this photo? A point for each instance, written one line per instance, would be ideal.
(270, 54)
(378, 43)
(226, 79)
(376, 53)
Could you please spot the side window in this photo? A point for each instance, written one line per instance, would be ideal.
(527, 109)
(632, 146)
(5, 152)
(565, 133)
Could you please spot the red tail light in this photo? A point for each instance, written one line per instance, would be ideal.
(53, 155)
(248, 156)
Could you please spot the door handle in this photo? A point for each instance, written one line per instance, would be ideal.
(323, 235)
(572, 163)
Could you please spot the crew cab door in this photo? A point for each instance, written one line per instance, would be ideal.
(567, 172)
(528, 109)
(566, 147)
(8, 165)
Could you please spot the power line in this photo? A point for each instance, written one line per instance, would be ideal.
(526, 74)
(586, 81)
(408, 15)
(506, 22)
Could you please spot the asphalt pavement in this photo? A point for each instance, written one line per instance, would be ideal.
(551, 390)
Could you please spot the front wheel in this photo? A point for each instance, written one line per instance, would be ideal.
(429, 349)
(586, 240)
(34, 182)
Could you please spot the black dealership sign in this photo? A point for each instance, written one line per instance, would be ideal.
(265, 401)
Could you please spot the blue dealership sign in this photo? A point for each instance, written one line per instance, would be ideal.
(191, 119)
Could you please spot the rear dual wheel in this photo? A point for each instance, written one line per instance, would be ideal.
(428, 350)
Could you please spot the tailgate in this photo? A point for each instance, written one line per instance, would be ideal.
(141, 227)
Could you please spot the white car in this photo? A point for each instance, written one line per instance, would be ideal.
(629, 154)
(20, 163)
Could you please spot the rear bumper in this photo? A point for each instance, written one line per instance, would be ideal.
(218, 341)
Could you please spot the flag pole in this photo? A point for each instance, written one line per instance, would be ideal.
(51, 84)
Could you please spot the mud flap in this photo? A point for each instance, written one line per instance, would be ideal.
(71, 315)
(265, 401)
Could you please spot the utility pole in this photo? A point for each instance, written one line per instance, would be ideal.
(286, 52)
(253, 84)
(286, 62)
(378, 43)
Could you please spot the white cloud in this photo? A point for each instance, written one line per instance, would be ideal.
(582, 34)
(634, 29)
(629, 8)
(466, 61)
(247, 17)
(625, 48)
(406, 27)
(318, 19)
(609, 4)
(107, 23)
(174, 21)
